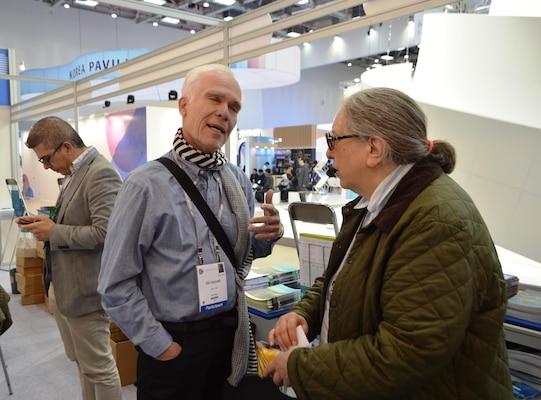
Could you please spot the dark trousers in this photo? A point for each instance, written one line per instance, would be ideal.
(201, 369)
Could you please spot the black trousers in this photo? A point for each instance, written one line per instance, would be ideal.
(201, 369)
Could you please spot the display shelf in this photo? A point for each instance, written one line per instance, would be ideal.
(522, 335)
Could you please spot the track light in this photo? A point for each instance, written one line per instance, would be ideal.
(173, 95)
(131, 99)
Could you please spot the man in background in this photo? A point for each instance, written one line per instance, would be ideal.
(302, 179)
(74, 242)
(267, 185)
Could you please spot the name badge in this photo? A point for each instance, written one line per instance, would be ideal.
(212, 284)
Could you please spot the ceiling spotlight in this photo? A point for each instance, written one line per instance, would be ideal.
(66, 5)
(114, 15)
(370, 30)
(154, 23)
(106, 104)
(387, 57)
(22, 67)
(349, 64)
(173, 95)
(206, 4)
(295, 31)
(192, 31)
(227, 17)
(131, 99)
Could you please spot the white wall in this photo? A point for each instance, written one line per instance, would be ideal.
(498, 164)
(489, 109)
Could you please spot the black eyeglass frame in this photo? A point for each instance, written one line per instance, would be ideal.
(331, 138)
(47, 159)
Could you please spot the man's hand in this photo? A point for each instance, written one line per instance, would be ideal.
(171, 353)
(40, 226)
(268, 226)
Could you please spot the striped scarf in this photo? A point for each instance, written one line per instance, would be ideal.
(244, 359)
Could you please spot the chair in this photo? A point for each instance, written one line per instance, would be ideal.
(314, 213)
(20, 209)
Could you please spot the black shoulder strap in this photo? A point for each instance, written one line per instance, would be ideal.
(201, 204)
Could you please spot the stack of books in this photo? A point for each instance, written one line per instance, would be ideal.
(272, 288)
(512, 284)
(273, 298)
(261, 277)
(526, 306)
(525, 366)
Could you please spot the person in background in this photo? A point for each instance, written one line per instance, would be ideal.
(413, 300)
(74, 242)
(268, 185)
(192, 333)
(261, 178)
(254, 176)
(302, 179)
(313, 176)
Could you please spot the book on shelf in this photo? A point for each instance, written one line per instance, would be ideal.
(278, 274)
(260, 277)
(255, 280)
(272, 298)
(512, 284)
(525, 305)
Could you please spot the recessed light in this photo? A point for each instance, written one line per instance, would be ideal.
(170, 20)
(157, 2)
(224, 2)
(88, 3)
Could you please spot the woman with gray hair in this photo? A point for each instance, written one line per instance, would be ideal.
(412, 303)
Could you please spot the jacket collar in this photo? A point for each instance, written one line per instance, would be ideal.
(414, 182)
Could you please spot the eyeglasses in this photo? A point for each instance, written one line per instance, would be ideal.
(331, 138)
(47, 159)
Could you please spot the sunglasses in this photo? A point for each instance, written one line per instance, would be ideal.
(331, 138)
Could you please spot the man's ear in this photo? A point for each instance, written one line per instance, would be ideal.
(182, 106)
(378, 151)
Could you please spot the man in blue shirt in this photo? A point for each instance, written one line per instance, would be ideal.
(165, 280)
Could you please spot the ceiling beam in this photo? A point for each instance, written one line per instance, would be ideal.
(164, 11)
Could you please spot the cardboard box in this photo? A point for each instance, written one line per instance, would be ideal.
(126, 361)
(31, 299)
(31, 284)
(40, 251)
(29, 280)
(116, 334)
(29, 266)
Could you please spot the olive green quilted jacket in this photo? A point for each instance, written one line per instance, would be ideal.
(417, 311)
